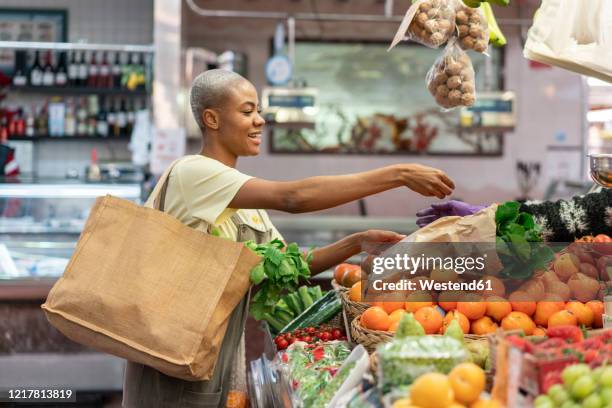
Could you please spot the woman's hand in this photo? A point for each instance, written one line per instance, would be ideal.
(446, 209)
(426, 180)
(370, 239)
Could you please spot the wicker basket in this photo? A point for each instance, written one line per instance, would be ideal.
(352, 309)
(369, 339)
(337, 287)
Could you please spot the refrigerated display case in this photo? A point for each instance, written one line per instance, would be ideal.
(40, 223)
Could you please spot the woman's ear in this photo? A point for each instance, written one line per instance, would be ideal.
(210, 119)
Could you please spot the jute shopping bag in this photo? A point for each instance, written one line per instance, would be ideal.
(143, 286)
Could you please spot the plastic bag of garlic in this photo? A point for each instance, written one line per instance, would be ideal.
(428, 22)
(451, 79)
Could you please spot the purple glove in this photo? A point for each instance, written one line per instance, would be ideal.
(446, 209)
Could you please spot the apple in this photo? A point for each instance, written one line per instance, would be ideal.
(543, 401)
(571, 373)
(570, 404)
(606, 395)
(592, 401)
(558, 394)
(589, 270)
(583, 387)
(605, 376)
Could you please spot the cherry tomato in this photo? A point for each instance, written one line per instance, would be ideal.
(325, 336)
(307, 339)
(282, 344)
(336, 334)
(310, 330)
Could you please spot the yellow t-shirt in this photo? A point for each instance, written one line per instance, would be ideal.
(199, 192)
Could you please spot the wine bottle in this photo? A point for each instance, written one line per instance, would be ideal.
(30, 130)
(19, 78)
(36, 72)
(82, 118)
(121, 120)
(83, 71)
(111, 118)
(73, 70)
(102, 130)
(92, 118)
(61, 76)
(70, 124)
(92, 77)
(103, 73)
(48, 70)
(131, 118)
(116, 71)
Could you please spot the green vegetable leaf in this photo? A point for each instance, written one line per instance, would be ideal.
(258, 274)
(526, 221)
(507, 212)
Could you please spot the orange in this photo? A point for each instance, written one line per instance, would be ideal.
(393, 326)
(432, 390)
(519, 321)
(538, 331)
(463, 321)
(467, 381)
(598, 308)
(522, 302)
(391, 307)
(562, 318)
(375, 318)
(483, 326)
(351, 277)
(396, 315)
(498, 307)
(419, 300)
(584, 314)
(430, 319)
(546, 309)
(448, 300)
(472, 307)
(355, 292)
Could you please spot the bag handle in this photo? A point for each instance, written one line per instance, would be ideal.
(158, 195)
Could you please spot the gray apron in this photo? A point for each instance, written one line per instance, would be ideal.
(145, 387)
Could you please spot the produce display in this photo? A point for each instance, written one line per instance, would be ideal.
(433, 22)
(580, 387)
(451, 79)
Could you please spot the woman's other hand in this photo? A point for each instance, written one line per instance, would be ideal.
(425, 180)
(449, 208)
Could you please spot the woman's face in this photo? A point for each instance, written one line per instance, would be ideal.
(240, 122)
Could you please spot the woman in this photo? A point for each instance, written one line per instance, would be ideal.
(205, 191)
(561, 220)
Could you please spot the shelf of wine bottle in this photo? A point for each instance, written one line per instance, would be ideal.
(69, 138)
(69, 90)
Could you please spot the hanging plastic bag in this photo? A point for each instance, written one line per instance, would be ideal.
(567, 34)
(472, 28)
(428, 22)
(451, 79)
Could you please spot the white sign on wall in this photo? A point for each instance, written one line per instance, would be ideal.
(168, 145)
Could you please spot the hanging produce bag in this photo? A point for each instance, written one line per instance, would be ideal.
(427, 22)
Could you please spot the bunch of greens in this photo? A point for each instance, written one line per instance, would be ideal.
(519, 242)
(279, 271)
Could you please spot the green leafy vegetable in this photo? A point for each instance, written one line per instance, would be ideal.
(279, 272)
(519, 242)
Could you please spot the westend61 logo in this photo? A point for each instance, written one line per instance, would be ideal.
(412, 264)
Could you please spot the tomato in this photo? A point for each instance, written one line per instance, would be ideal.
(336, 334)
(325, 336)
(341, 270)
(572, 333)
(282, 344)
(307, 339)
(310, 330)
